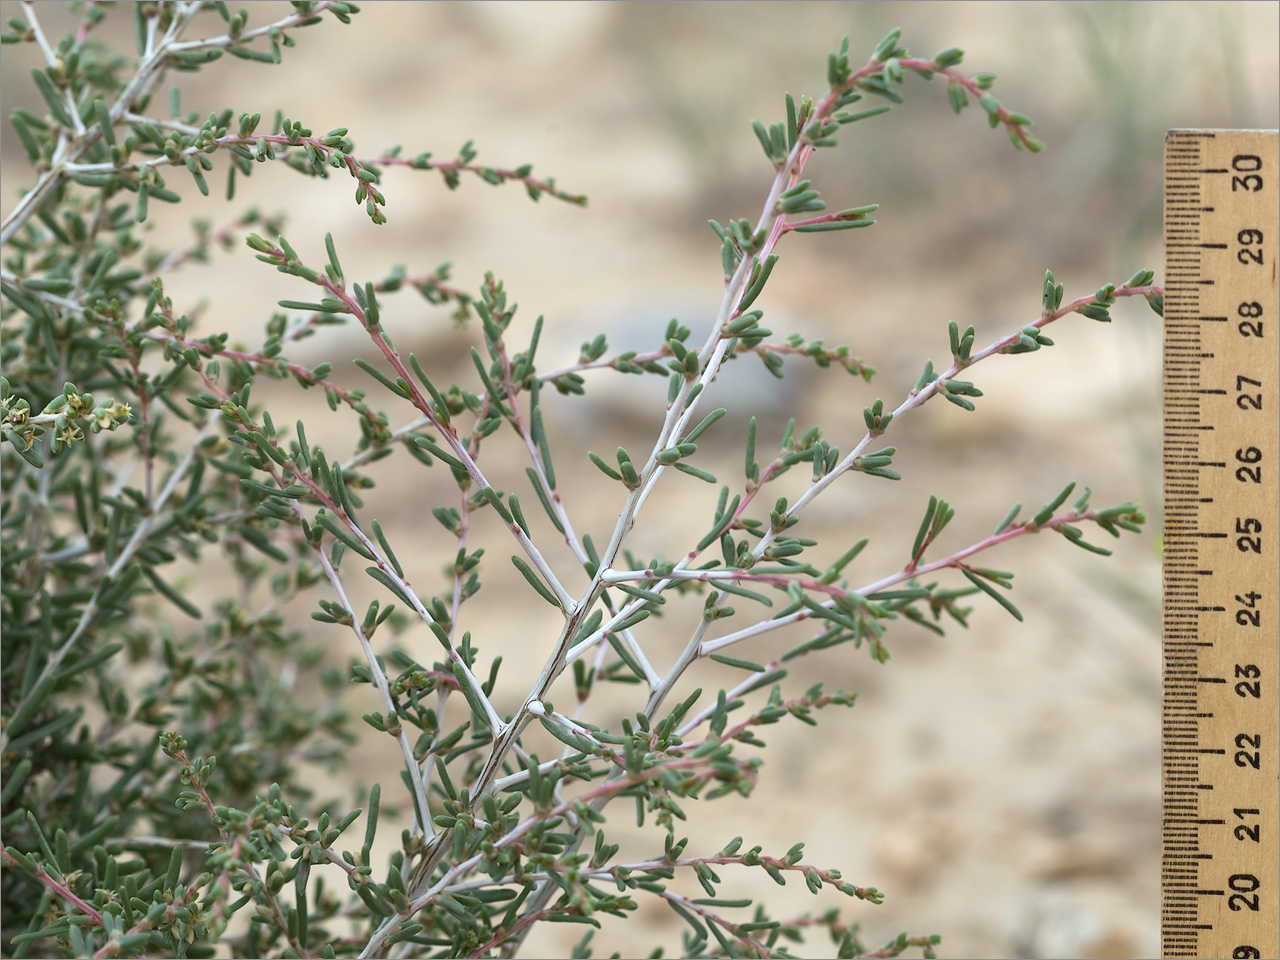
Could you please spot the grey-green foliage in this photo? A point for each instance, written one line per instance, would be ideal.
(153, 802)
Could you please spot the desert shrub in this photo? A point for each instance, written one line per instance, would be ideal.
(164, 750)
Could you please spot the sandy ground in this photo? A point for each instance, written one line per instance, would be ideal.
(1001, 785)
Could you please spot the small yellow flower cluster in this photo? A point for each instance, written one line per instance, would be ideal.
(64, 414)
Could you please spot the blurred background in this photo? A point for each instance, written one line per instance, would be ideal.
(1001, 784)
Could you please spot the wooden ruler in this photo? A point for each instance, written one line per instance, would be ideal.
(1221, 714)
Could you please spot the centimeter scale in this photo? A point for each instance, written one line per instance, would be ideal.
(1221, 729)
